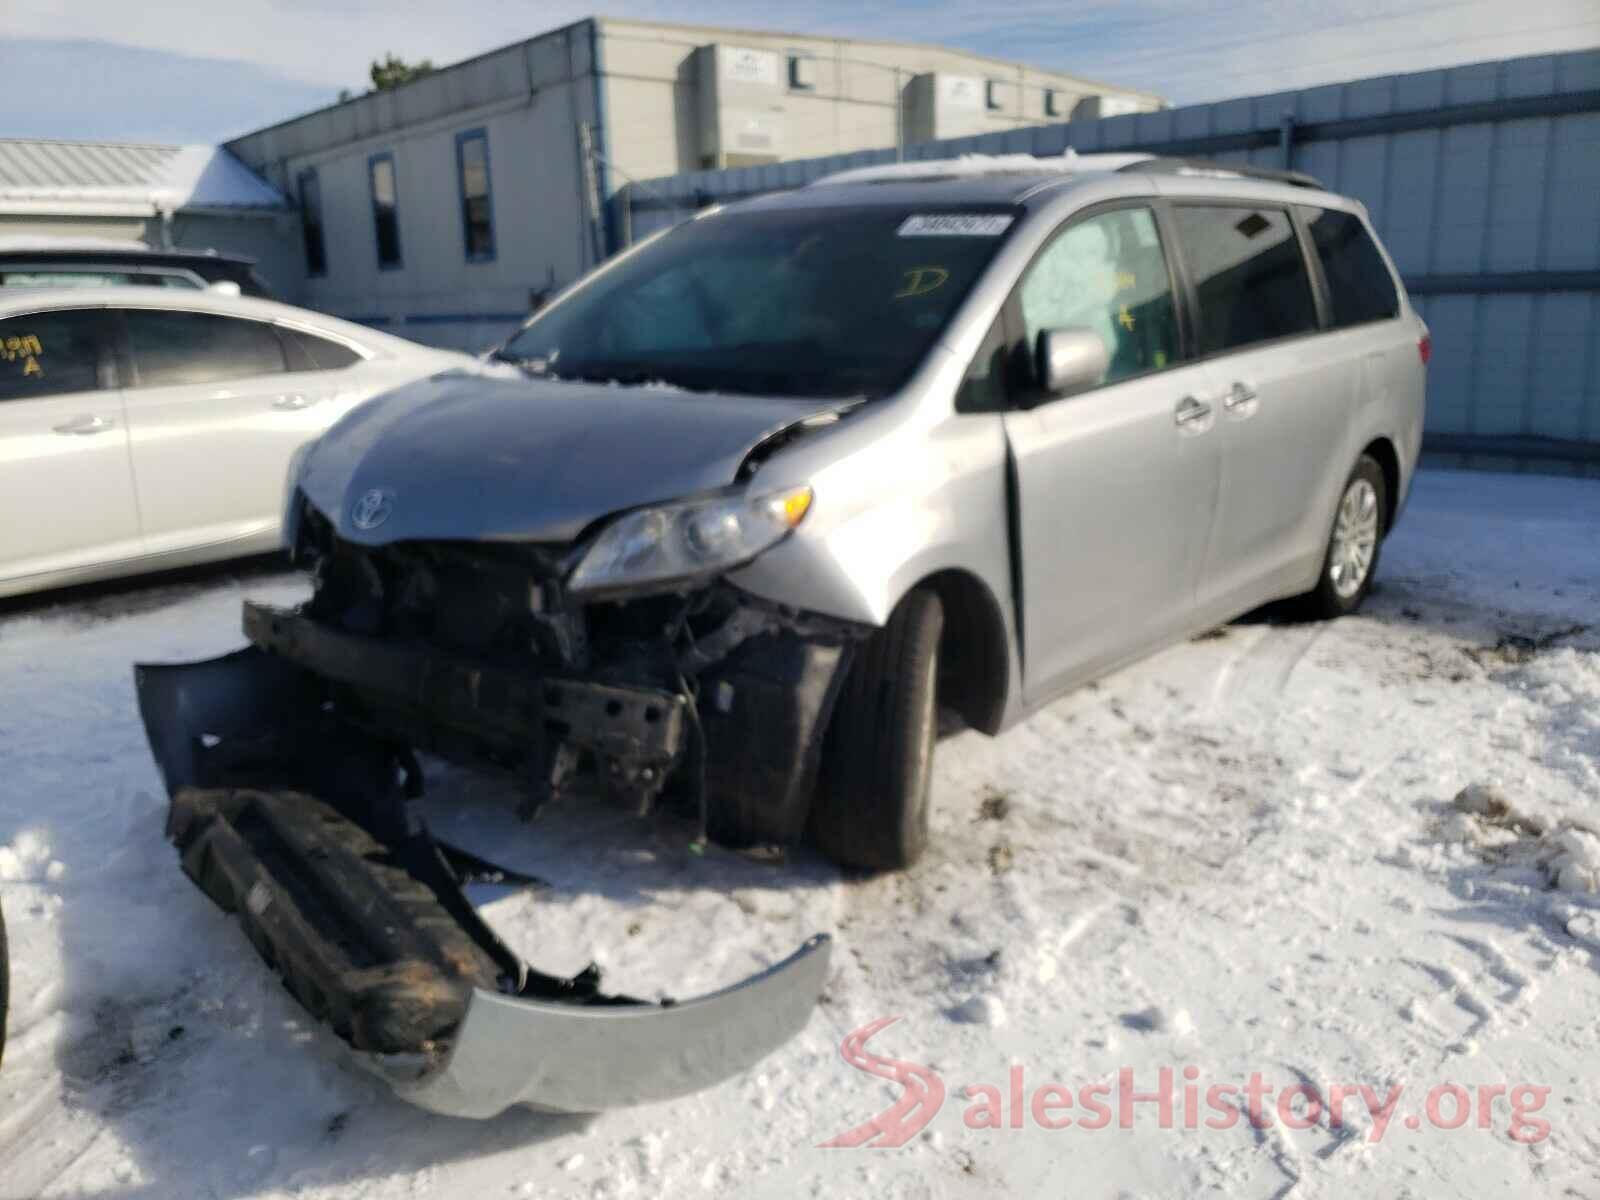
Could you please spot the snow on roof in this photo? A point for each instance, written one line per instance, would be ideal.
(969, 165)
(117, 178)
(32, 243)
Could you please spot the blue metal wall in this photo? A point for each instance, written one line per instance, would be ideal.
(1484, 182)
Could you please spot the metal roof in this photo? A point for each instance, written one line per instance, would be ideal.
(127, 179)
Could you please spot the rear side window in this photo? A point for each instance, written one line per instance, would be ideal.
(1360, 288)
(50, 354)
(1249, 275)
(175, 348)
(308, 353)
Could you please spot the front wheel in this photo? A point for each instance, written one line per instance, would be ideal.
(1351, 559)
(871, 806)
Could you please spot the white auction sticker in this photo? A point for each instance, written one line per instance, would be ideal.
(955, 225)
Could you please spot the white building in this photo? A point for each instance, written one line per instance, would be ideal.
(442, 209)
(185, 197)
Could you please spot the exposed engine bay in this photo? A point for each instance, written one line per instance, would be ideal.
(478, 652)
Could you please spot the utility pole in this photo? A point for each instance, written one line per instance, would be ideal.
(591, 189)
(899, 120)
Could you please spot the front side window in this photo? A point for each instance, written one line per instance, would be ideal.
(171, 349)
(50, 354)
(1106, 273)
(1249, 275)
(385, 210)
(824, 302)
(311, 222)
(1360, 288)
(477, 213)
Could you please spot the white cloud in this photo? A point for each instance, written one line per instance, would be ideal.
(1186, 50)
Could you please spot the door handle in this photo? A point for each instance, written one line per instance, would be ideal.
(293, 402)
(1190, 410)
(1241, 399)
(86, 424)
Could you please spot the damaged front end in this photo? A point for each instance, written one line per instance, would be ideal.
(293, 774)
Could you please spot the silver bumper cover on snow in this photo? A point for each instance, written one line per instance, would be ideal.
(566, 1059)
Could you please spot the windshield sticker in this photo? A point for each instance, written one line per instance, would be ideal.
(922, 280)
(955, 225)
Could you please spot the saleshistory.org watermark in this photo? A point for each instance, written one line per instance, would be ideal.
(1176, 1098)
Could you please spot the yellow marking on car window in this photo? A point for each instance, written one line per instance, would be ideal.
(922, 280)
(17, 345)
(1124, 317)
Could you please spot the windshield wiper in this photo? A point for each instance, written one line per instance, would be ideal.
(539, 367)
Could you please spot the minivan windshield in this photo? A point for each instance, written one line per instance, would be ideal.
(812, 302)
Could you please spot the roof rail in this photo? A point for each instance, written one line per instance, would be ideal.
(977, 165)
(1206, 168)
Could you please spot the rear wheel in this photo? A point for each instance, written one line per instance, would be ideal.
(1351, 559)
(871, 807)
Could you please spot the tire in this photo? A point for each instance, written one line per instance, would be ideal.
(5, 984)
(1362, 506)
(871, 806)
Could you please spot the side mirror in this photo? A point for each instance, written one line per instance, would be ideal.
(1070, 360)
(223, 287)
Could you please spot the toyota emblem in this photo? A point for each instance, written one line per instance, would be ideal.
(372, 509)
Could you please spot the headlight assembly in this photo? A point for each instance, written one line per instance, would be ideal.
(670, 542)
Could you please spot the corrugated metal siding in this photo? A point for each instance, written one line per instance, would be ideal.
(40, 172)
(1479, 202)
(49, 165)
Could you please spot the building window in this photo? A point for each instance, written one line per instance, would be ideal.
(311, 222)
(802, 73)
(994, 96)
(385, 209)
(1052, 102)
(477, 209)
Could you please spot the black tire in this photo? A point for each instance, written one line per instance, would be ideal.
(1328, 599)
(5, 983)
(871, 806)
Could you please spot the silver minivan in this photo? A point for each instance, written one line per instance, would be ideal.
(735, 517)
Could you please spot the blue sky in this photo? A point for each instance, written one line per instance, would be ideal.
(182, 70)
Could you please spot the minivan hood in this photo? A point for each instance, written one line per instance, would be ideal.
(470, 457)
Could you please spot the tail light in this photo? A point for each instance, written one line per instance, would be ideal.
(1425, 348)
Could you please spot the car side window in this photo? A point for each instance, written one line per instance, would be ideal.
(175, 348)
(306, 352)
(50, 354)
(1360, 288)
(1106, 273)
(1249, 275)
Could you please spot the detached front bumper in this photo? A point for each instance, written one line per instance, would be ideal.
(291, 817)
(560, 1058)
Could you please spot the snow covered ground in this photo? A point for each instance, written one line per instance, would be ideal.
(1244, 856)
